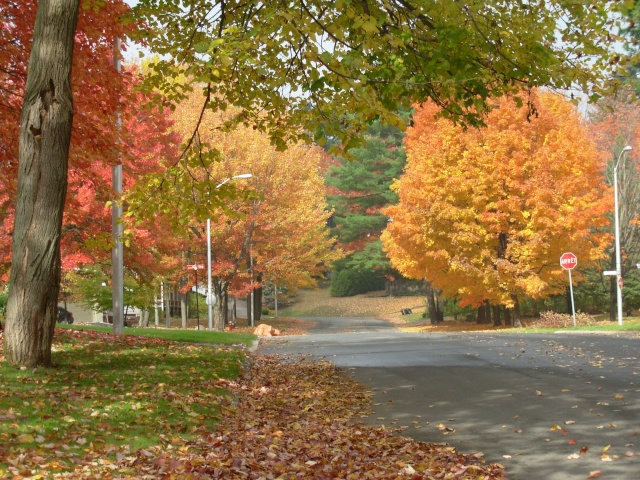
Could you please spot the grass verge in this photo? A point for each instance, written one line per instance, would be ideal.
(531, 325)
(110, 394)
(178, 335)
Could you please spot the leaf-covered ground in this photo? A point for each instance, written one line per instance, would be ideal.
(293, 420)
(285, 418)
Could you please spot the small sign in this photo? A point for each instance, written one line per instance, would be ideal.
(568, 261)
(198, 266)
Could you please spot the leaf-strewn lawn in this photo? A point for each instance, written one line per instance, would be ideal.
(129, 407)
(108, 395)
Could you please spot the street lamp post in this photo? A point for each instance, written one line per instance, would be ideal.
(617, 235)
(117, 251)
(209, 286)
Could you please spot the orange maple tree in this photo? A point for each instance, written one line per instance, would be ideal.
(485, 214)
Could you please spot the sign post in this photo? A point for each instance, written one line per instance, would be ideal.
(568, 261)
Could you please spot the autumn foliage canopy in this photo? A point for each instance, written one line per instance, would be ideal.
(485, 214)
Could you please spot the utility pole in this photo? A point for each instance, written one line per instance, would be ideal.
(117, 252)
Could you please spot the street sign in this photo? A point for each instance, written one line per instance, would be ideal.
(568, 261)
(198, 266)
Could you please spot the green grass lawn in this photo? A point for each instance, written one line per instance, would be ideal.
(193, 336)
(107, 391)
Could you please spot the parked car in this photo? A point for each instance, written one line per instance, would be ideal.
(64, 316)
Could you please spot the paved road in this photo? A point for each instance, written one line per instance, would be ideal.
(530, 402)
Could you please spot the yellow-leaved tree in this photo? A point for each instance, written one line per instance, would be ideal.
(267, 210)
(485, 213)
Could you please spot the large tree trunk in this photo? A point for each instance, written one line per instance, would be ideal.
(219, 288)
(517, 316)
(482, 318)
(433, 308)
(507, 317)
(496, 316)
(45, 135)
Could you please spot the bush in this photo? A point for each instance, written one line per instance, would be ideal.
(347, 283)
(4, 296)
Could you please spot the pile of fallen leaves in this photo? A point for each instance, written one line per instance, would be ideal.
(292, 418)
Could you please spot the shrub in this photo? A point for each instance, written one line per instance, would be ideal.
(347, 283)
(4, 296)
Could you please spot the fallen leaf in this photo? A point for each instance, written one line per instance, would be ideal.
(584, 450)
(594, 474)
(538, 393)
(569, 422)
(572, 442)
(573, 456)
(409, 470)
(443, 428)
(618, 397)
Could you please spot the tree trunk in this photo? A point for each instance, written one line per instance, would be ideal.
(257, 300)
(481, 315)
(613, 299)
(219, 288)
(45, 135)
(433, 308)
(234, 312)
(507, 317)
(496, 316)
(517, 316)
(144, 318)
(257, 304)
(225, 309)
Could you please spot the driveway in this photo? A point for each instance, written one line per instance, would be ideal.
(557, 406)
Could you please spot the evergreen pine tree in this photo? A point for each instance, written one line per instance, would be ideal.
(357, 191)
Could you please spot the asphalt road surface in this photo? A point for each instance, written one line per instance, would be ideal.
(546, 406)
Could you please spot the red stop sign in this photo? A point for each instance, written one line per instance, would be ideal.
(568, 261)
